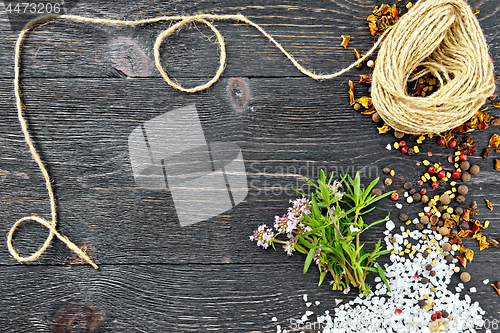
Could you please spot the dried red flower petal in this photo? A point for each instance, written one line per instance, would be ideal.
(351, 92)
(369, 111)
(494, 141)
(462, 261)
(365, 80)
(345, 40)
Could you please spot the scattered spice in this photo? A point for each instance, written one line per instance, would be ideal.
(487, 153)
(345, 40)
(495, 122)
(489, 204)
(465, 277)
(365, 101)
(497, 289)
(358, 56)
(497, 164)
(351, 92)
(365, 80)
(474, 170)
(384, 129)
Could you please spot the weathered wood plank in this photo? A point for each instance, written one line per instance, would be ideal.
(309, 32)
(178, 298)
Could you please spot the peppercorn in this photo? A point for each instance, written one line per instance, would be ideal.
(424, 280)
(417, 197)
(425, 254)
(465, 225)
(465, 277)
(412, 191)
(434, 317)
(432, 273)
(442, 182)
(459, 210)
(441, 209)
(395, 196)
(452, 144)
(466, 177)
(422, 303)
(462, 189)
(442, 174)
(435, 185)
(404, 149)
(403, 217)
(392, 240)
(411, 151)
(398, 134)
(446, 216)
(465, 165)
(445, 199)
(388, 181)
(456, 174)
(460, 199)
(370, 63)
(424, 220)
(474, 169)
(357, 106)
(376, 118)
(454, 232)
(424, 199)
(449, 258)
(407, 185)
(428, 267)
(433, 228)
(386, 170)
(445, 314)
(440, 223)
(446, 247)
(419, 226)
(444, 231)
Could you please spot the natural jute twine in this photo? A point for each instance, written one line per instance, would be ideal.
(443, 37)
(440, 35)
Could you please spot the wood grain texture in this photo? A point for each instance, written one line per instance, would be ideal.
(87, 87)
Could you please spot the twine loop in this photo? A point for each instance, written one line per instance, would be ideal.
(443, 38)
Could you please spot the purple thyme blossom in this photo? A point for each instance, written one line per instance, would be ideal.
(316, 256)
(289, 247)
(336, 189)
(281, 223)
(301, 205)
(263, 235)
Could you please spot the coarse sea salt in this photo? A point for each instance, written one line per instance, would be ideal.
(377, 311)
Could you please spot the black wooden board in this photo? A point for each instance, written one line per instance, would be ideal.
(87, 87)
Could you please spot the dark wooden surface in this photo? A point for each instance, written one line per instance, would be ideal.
(88, 86)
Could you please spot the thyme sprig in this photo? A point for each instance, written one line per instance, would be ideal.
(326, 226)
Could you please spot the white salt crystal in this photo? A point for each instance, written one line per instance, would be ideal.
(427, 209)
(473, 290)
(486, 281)
(274, 319)
(304, 297)
(388, 147)
(317, 303)
(389, 225)
(308, 304)
(398, 205)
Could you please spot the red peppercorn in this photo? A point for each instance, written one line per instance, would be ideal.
(456, 174)
(442, 174)
(402, 143)
(394, 196)
(428, 214)
(436, 184)
(404, 149)
(441, 142)
(498, 284)
(423, 191)
(439, 315)
(452, 144)
(420, 182)
(398, 311)
(433, 317)
(431, 169)
(463, 157)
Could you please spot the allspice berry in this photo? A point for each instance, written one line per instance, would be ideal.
(376, 192)
(460, 199)
(424, 280)
(432, 273)
(440, 223)
(428, 267)
(446, 247)
(407, 186)
(474, 169)
(424, 220)
(376, 118)
(459, 210)
(465, 277)
(445, 199)
(444, 231)
(465, 165)
(425, 254)
(462, 189)
(398, 134)
(466, 177)
(449, 258)
(417, 197)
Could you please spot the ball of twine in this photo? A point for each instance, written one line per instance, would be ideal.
(443, 38)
